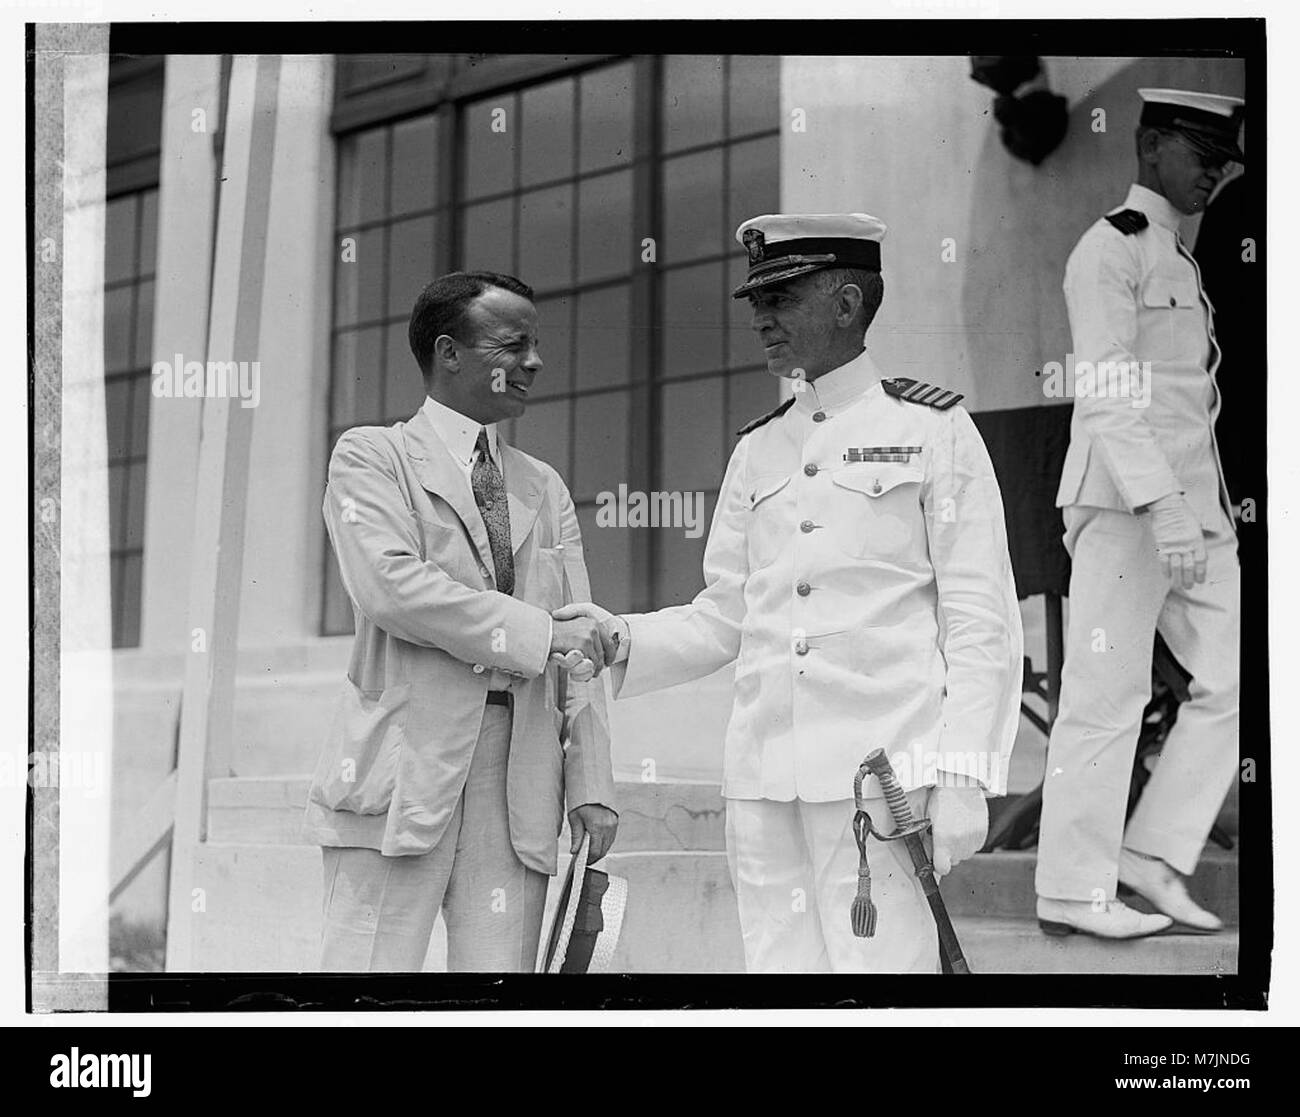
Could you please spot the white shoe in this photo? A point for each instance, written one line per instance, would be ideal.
(1114, 921)
(1158, 884)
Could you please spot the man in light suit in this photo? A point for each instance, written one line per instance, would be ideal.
(857, 573)
(1148, 524)
(443, 782)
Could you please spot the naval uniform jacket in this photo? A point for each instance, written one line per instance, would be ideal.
(1137, 296)
(867, 604)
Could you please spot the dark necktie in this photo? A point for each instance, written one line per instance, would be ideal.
(490, 496)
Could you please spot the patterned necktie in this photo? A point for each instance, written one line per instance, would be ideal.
(490, 496)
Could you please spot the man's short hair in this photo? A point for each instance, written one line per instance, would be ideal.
(443, 305)
(870, 283)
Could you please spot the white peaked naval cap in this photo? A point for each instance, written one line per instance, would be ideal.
(1210, 121)
(782, 246)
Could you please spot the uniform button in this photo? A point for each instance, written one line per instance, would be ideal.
(1173, 301)
(819, 416)
(483, 570)
(807, 526)
(810, 470)
(479, 668)
(801, 647)
(803, 589)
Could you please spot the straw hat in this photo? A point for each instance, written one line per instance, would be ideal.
(587, 920)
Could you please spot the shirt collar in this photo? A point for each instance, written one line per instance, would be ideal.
(1155, 206)
(458, 432)
(841, 386)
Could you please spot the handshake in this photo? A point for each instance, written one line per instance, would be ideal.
(585, 639)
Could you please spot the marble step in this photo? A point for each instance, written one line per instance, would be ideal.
(688, 817)
(1018, 946)
(261, 909)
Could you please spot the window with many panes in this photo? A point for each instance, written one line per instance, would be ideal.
(564, 181)
(130, 242)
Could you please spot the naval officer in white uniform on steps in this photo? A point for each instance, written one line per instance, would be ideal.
(1148, 523)
(857, 573)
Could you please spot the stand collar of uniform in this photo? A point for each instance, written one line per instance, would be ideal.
(458, 432)
(1154, 205)
(834, 390)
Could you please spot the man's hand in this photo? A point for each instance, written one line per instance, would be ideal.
(614, 631)
(578, 646)
(959, 824)
(600, 822)
(1180, 542)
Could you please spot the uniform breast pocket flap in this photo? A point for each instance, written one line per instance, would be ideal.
(879, 481)
(770, 522)
(877, 511)
(1171, 294)
(765, 486)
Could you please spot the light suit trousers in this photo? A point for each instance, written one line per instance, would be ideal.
(795, 870)
(1119, 598)
(380, 911)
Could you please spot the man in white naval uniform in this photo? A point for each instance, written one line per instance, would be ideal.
(1148, 524)
(857, 573)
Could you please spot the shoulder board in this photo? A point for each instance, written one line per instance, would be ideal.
(775, 413)
(914, 391)
(1128, 221)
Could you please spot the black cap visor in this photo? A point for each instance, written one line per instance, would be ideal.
(780, 274)
(1213, 145)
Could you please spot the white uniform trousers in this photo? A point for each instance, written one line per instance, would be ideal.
(1119, 597)
(380, 911)
(795, 870)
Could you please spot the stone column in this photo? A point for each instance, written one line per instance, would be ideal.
(187, 201)
(284, 531)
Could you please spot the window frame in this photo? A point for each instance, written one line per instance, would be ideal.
(447, 92)
(136, 172)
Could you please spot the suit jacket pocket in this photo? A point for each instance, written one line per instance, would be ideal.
(444, 543)
(546, 585)
(359, 768)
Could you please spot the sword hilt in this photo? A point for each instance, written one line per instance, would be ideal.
(877, 763)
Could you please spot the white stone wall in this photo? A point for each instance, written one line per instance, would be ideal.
(914, 142)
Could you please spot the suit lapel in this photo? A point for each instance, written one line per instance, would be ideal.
(441, 474)
(525, 490)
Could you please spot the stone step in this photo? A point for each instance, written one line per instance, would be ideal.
(1001, 884)
(253, 810)
(1018, 946)
(261, 911)
(261, 908)
(688, 817)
